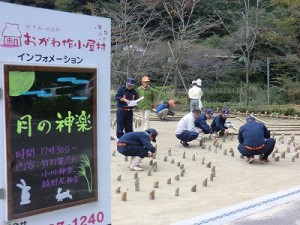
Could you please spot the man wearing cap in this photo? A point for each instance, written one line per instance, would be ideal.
(137, 145)
(218, 124)
(124, 114)
(186, 130)
(254, 139)
(201, 121)
(147, 103)
(165, 109)
(195, 94)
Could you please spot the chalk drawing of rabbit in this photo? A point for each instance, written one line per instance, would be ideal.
(25, 195)
(62, 195)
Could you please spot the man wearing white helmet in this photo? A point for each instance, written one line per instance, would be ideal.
(195, 94)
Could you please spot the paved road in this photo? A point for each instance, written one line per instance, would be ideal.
(283, 214)
(281, 208)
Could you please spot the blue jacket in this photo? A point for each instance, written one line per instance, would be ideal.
(218, 123)
(253, 134)
(123, 92)
(162, 106)
(138, 139)
(202, 124)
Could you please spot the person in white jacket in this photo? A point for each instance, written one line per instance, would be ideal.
(186, 130)
(195, 94)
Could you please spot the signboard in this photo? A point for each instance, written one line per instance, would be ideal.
(51, 138)
(56, 154)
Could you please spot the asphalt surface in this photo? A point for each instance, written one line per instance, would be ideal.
(281, 208)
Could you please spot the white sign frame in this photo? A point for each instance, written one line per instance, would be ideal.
(44, 37)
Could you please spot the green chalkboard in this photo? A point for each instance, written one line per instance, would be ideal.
(51, 138)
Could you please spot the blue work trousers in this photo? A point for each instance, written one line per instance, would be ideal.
(265, 151)
(187, 136)
(124, 122)
(133, 150)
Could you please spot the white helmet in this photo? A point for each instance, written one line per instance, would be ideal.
(199, 82)
(228, 124)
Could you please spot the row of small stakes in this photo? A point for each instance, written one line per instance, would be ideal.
(177, 177)
(202, 141)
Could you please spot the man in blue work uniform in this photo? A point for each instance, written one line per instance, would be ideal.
(254, 139)
(124, 114)
(138, 145)
(218, 123)
(201, 121)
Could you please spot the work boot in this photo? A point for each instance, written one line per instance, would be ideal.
(135, 164)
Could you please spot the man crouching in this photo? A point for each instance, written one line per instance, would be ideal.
(137, 145)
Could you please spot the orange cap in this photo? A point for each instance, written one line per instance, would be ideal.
(145, 79)
(171, 102)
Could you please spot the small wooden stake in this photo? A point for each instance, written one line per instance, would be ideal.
(119, 178)
(118, 189)
(169, 151)
(154, 167)
(273, 154)
(213, 169)
(137, 184)
(194, 188)
(152, 195)
(211, 176)
(208, 165)
(177, 192)
(293, 159)
(151, 162)
(204, 183)
(182, 173)
(156, 184)
(169, 181)
(124, 196)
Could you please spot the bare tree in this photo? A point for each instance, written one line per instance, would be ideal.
(132, 35)
(185, 28)
(243, 26)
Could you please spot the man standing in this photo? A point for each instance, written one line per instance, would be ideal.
(146, 104)
(186, 130)
(124, 114)
(164, 109)
(195, 94)
(218, 123)
(254, 139)
(201, 121)
(138, 145)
